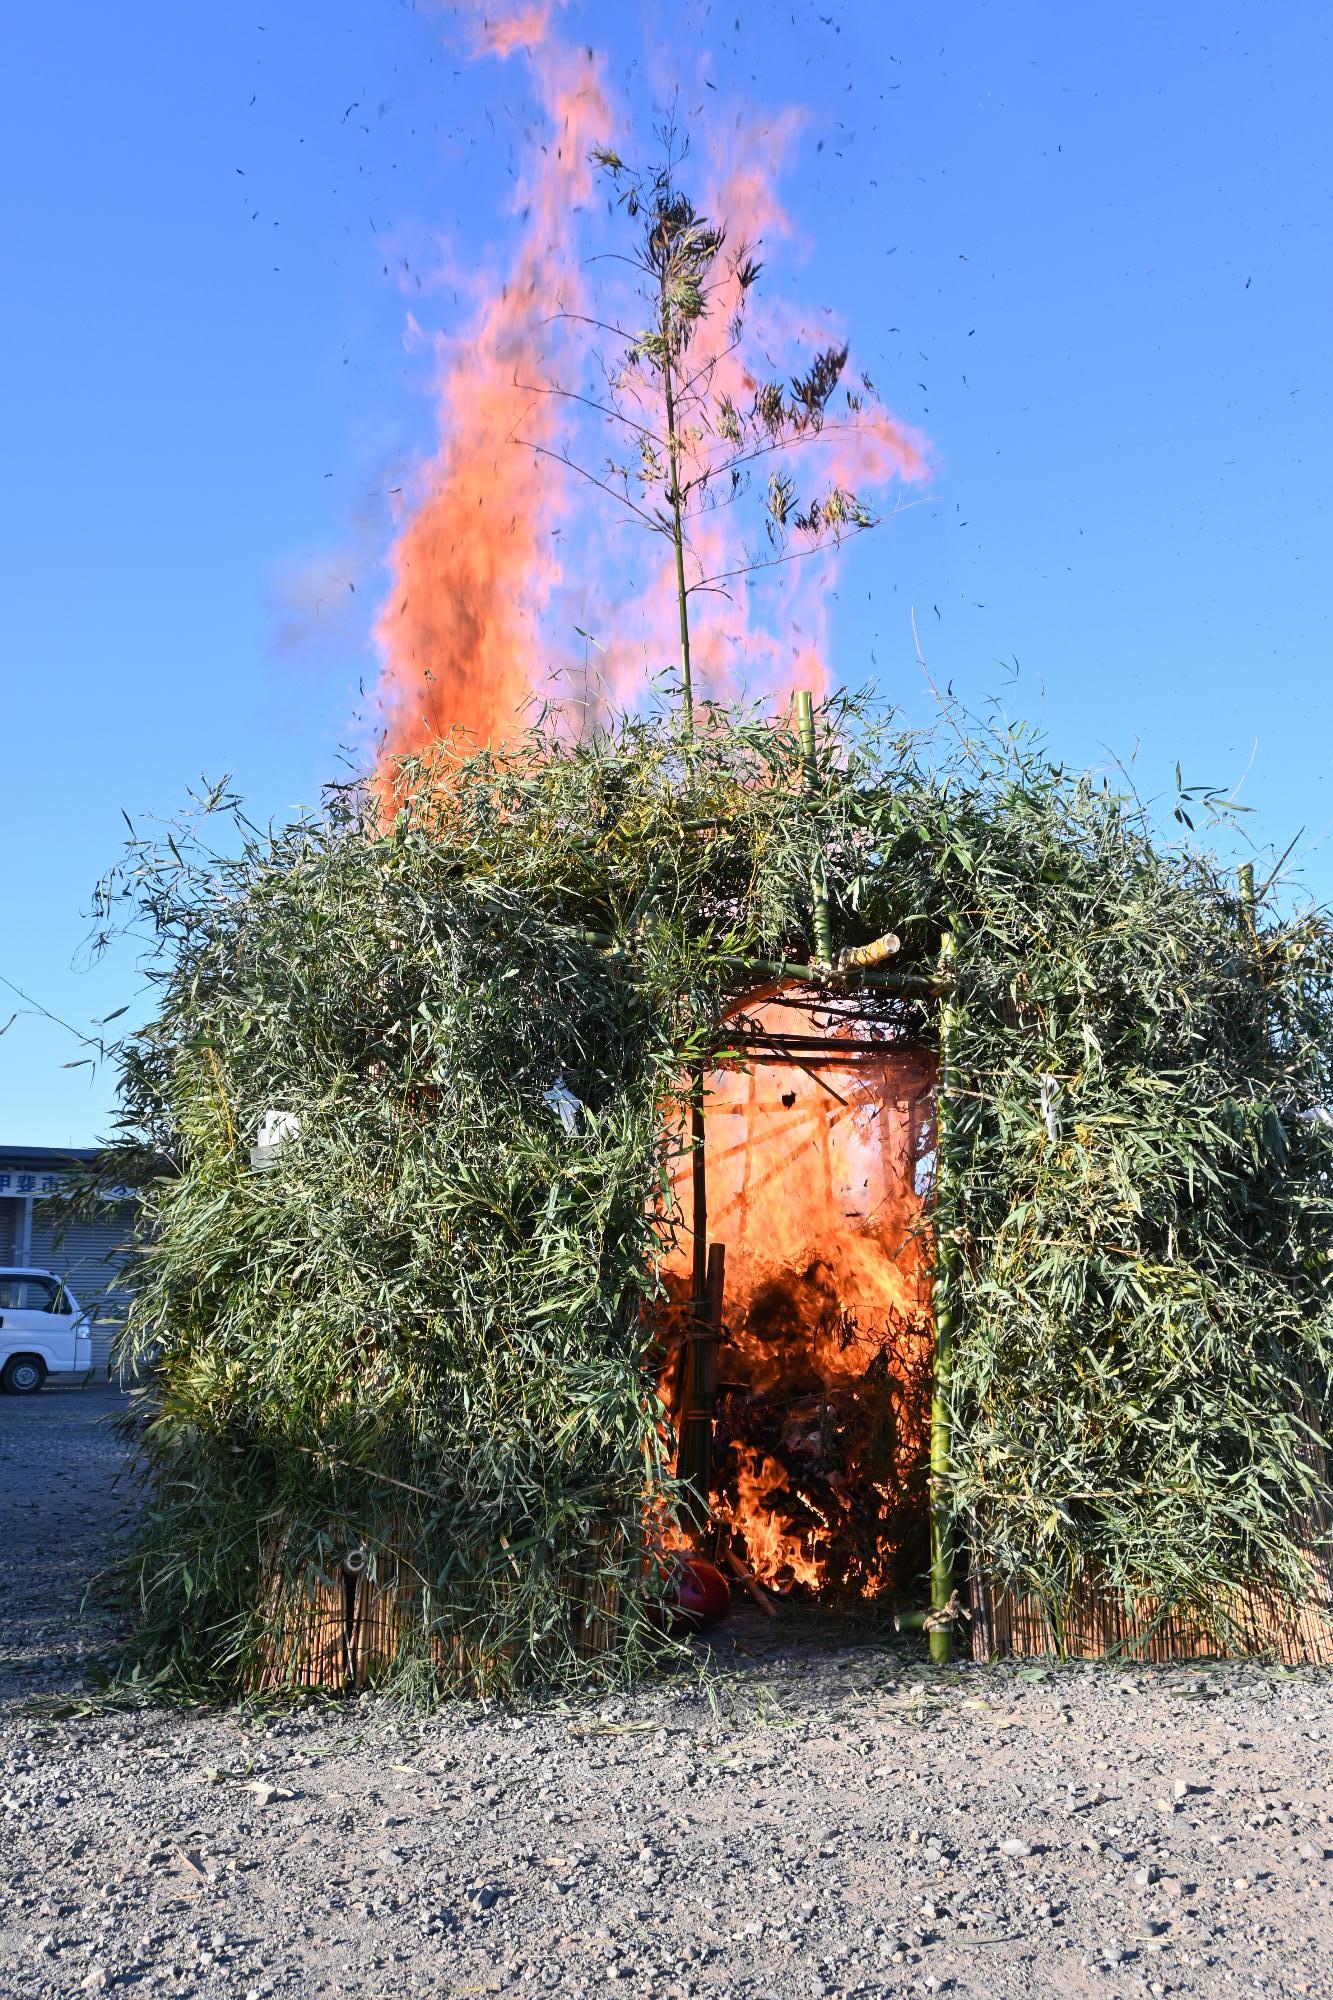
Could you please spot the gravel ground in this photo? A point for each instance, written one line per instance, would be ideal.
(813, 1818)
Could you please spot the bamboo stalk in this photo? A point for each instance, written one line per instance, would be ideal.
(713, 1290)
(700, 1384)
(699, 1179)
(749, 1583)
(923, 984)
(941, 1546)
(696, 1438)
(860, 957)
(1249, 904)
(805, 723)
(677, 525)
(854, 972)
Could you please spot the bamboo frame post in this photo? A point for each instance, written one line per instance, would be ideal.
(945, 1309)
(805, 724)
(701, 1387)
(699, 1183)
(695, 1453)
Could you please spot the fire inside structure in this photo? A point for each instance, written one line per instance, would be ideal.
(808, 1424)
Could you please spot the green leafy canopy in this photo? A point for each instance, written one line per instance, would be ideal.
(421, 1333)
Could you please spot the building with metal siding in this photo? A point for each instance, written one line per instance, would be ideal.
(89, 1255)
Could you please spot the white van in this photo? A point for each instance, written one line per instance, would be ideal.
(43, 1331)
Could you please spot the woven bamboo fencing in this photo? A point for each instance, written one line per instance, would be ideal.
(1254, 1622)
(1095, 1624)
(347, 1631)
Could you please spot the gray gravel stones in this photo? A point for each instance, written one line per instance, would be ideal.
(821, 1819)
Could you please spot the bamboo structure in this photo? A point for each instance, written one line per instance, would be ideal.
(1093, 1623)
(941, 1536)
(425, 1323)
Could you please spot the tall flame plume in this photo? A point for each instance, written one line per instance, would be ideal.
(477, 584)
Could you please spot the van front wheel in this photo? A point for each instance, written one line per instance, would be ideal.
(22, 1375)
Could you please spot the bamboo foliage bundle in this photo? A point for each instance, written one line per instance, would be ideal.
(417, 1339)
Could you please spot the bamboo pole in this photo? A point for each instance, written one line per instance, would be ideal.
(677, 524)
(805, 723)
(855, 971)
(783, 969)
(944, 1301)
(694, 1465)
(702, 1382)
(699, 1182)
(750, 1583)
(695, 1427)
(1249, 907)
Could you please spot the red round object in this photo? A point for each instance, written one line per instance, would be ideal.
(703, 1595)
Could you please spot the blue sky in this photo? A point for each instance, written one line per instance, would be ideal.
(1087, 253)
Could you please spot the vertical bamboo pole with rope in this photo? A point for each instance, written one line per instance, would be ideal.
(944, 1301)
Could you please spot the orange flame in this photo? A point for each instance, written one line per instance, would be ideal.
(774, 1552)
(474, 568)
(522, 28)
(812, 1178)
(475, 577)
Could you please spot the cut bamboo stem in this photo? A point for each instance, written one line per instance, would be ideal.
(782, 969)
(853, 973)
(750, 1583)
(945, 1288)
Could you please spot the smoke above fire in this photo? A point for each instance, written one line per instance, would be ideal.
(512, 576)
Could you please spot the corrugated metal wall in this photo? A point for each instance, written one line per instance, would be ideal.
(89, 1257)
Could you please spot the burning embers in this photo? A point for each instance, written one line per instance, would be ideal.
(823, 1376)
